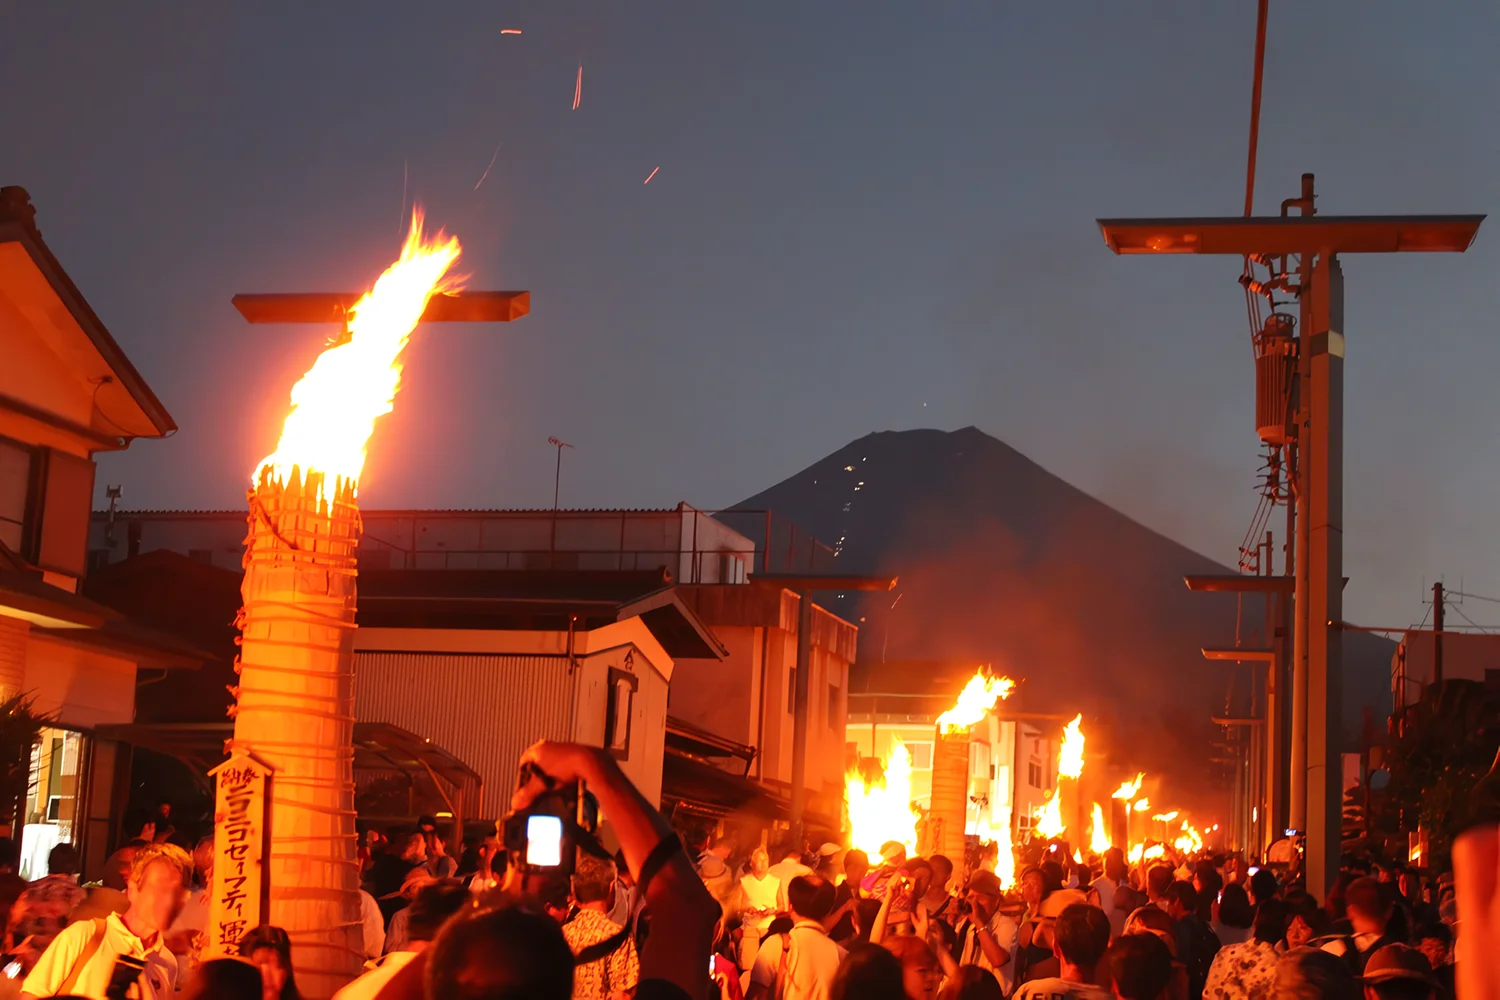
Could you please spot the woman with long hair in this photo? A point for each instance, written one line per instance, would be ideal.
(271, 950)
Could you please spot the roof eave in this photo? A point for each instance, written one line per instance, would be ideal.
(23, 231)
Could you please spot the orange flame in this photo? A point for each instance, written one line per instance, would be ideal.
(1005, 853)
(353, 384)
(1049, 817)
(1141, 805)
(881, 810)
(1099, 841)
(1070, 757)
(1129, 789)
(1191, 841)
(1165, 817)
(975, 702)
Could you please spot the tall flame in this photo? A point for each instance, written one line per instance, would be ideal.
(1005, 852)
(1099, 841)
(1070, 757)
(881, 810)
(975, 702)
(1191, 841)
(1049, 817)
(1129, 789)
(351, 385)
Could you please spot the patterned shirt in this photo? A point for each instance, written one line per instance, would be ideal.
(614, 973)
(1244, 971)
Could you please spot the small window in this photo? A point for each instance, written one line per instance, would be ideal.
(1024, 821)
(17, 468)
(835, 717)
(921, 756)
(1034, 774)
(618, 710)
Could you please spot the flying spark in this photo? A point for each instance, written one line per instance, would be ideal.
(488, 168)
(510, 31)
(649, 176)
(578, 88)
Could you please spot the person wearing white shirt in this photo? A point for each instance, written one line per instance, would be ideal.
(801, 964)
(759, 892)
(988, 936)
(788, 868)
(1079, 941)
(81, 959)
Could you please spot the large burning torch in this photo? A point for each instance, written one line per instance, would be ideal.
(294, 706)
(948, 814)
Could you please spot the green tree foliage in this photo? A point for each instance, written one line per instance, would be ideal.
(1447, 744)
(20, 728)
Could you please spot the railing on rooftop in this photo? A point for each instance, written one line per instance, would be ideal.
(776, 546)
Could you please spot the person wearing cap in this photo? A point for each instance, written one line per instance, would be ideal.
(1398, 972)
(1080, 939)
(892, 857)
(987, 937)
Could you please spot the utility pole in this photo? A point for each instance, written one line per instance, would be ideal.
(559, 444)
(1316, 242)
(1437, 634)
(805, 586)
(557, 476)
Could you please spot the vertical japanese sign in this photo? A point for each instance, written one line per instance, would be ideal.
(239, 897)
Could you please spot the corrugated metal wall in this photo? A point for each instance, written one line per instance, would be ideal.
(485, 710)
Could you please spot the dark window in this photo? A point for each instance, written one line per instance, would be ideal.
(1034, 774)
(834, 717)
(618, 711)
(67, 493)
(17, 471)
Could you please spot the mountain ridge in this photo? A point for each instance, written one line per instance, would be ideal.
(1003, 561)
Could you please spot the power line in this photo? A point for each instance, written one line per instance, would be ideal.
(1477, 597)
(1460, 610)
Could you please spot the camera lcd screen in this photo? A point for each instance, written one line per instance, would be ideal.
(544, 841)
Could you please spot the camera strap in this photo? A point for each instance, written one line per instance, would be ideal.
(655, 861)
(602, 949)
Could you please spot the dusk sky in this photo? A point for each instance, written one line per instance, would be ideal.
(868, 216)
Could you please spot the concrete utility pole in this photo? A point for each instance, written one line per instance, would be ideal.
(1318, 429)
(805, 587)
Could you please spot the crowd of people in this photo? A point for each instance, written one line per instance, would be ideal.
(740, 922)
(1173, 928)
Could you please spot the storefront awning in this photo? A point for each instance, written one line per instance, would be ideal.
(378, 747)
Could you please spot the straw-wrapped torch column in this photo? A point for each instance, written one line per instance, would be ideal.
(295, 707)
(950, 791)
(295, 699)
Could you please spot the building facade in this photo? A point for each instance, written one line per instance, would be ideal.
(67, 392)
